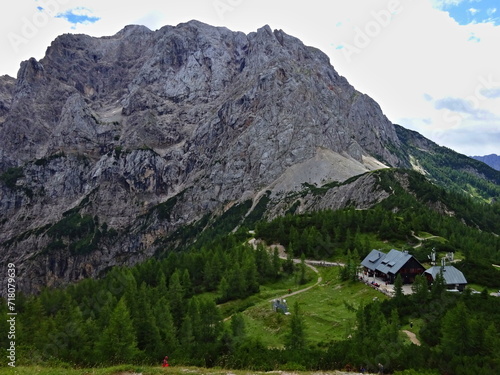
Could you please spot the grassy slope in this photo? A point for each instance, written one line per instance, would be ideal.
(327, 311)
(326, 308)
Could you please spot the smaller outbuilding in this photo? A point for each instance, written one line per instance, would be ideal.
(453, 278)
(280, 305)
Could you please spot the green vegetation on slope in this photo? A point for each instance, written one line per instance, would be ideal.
(177, 305)
(11, 175)
(449, 169)
(461, 224)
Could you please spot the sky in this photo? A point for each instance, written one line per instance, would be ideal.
(432, 65)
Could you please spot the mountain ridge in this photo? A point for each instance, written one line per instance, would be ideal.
(109, 144)
(493, 160)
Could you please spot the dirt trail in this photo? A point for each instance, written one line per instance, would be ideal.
(282, 254)
(412, 337)
(320, 279)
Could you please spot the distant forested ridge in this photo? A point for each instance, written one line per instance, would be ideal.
(447, 168)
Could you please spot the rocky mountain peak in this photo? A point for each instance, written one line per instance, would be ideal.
(109, 131)
(31, 72)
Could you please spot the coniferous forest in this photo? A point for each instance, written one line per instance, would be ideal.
(171, 305)
(138, 315)
(174, 304)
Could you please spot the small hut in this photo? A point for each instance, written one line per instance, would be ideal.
(279, 305)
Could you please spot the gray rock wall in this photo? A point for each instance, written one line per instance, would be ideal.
(109, 128)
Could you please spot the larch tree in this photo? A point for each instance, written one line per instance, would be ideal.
(296, 338)
(118, 343)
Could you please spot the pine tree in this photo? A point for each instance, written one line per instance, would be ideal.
(211, 273)
(194, 318)
(147, 333)
(389, 332)
(129, 286)
(438, 286)
(263, 263)
(491, 344)
(161, 289)
(33, 316)
(176, 298)
(349, 272)
(250, 274)
(302, 270)
(86, 351)
(456, 332)
(166, 326)
(238, 329)
(236, 282)
(70, 334)
(288, 265)
(186, 338)
(210, 321)
(224, 291)
(420, 289)
(276, 264)
(186, 283)
(296, 339)
(398, 290)
(118, 343)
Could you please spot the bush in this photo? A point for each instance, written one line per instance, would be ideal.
(478, 272)
(11, 175)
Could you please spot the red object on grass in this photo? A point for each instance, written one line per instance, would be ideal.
(165, 362)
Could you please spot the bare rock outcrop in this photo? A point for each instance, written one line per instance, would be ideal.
(108, 144)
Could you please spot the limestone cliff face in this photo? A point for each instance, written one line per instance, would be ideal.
(108, 144)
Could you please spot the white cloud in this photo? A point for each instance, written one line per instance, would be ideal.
(473, 11)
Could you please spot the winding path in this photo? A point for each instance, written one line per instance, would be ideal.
(320, 279)
(282, 255)
(412, 337)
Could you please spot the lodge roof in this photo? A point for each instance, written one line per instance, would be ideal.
(388, 263)
(393, 261)
(373, 259)
(451, 274)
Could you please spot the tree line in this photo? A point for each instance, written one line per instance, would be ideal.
(466, 226)
(169, 306)
(141, 314)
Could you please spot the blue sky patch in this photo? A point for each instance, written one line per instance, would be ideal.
(79, 16)
(466, 12)
(474, 38)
